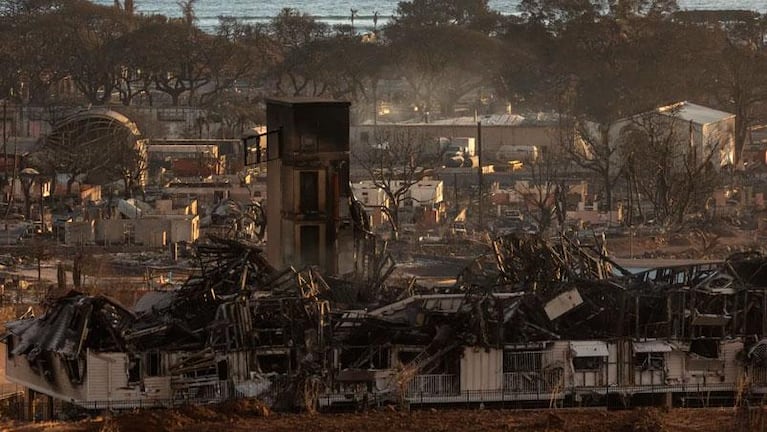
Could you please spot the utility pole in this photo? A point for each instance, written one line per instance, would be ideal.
(5, 142)
(354, 14)
(13, 179)
(479, 171)
(455, 188)
(375, 106)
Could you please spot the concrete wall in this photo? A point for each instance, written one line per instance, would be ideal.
(427, 193)
(675, 367)
(206, 196)
(729, 350)
(186, 229)
(111, 231)
(163, 206)
(314, 137)
(702, 370)
(151, 232)
(171, 207)
(79, 233)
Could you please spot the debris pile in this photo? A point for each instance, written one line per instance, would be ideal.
(239, 326)
(236, 304)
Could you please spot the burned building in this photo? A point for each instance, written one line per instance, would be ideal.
(557, 322)
(316, 322)
(308, 184)
(229, 328)
(547, 321)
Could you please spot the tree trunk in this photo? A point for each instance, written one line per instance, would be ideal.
(77, 271)
(607, 166)
(128, 193)
(25, 190)
(741, 131)
(394, 215)
(608, 191)
(70, 183)
(61, 277)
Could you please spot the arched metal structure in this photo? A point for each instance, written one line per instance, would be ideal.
(101, 144)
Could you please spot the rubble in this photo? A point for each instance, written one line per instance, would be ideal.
(223, 419)
(542, 308)
(237, 304)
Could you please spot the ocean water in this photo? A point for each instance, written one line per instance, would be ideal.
(339, 11)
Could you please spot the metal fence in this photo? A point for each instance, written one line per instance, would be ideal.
(531, 372)
(438, 389)
(177, 114)
(17, 406)
(445, 390)
(532, 382)
(441, 384)
(686, 395)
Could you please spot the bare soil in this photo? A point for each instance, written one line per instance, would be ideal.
(253, 417)
(690, 245)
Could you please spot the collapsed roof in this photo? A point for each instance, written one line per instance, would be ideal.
(528, 289)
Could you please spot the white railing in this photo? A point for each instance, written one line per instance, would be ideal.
(530, 372)
(200, 390)
(441, 384)
(532, 382)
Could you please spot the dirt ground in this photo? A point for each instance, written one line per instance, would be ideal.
(250, 416)
(688, 245)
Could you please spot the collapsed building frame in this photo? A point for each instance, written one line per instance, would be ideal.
(553, 322)
(543, 320)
